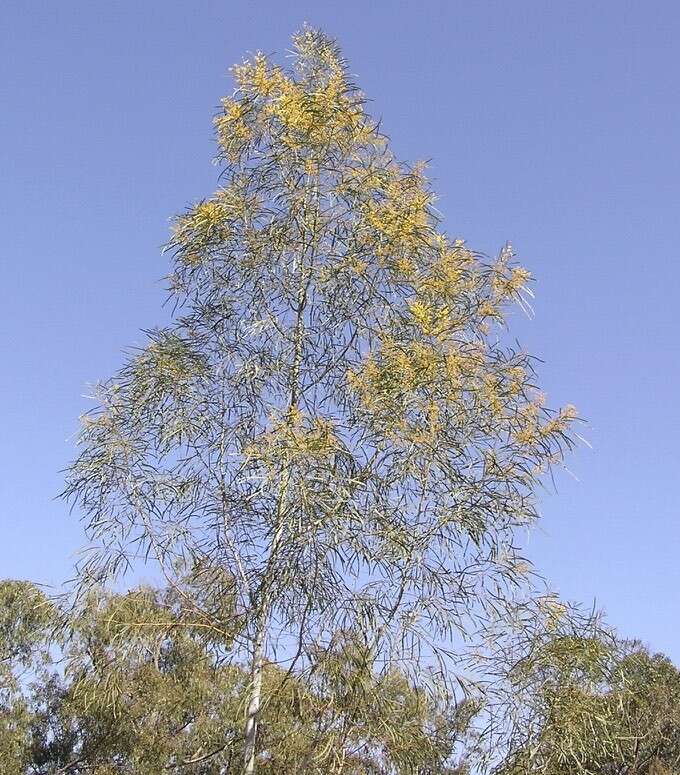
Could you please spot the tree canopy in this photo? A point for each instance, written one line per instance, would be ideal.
(588, 702)
(333, 427)
(137, 685)
(134, 687)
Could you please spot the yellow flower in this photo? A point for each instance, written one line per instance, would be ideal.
(516, 377)
(432, 321)
(560, 422)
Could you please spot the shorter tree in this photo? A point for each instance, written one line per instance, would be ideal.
(25, 618)
(587, 702)
(147, 689)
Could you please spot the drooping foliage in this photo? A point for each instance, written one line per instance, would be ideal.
(25, 617)
(590, 703)
(139, 684)
(332, 418)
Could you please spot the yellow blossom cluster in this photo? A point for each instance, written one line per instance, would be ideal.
(528, 420)
(210, 223)
(362, 181)
(257, 76)
(312, 118)
(431, 318)
(533, 432)
(233, 128)
(508, 284)
(561, 421)
(295, 436)
(489, 309)
(516, 380)
(491, 394)
(205, 224)
(394, 371)
(448, 275)
(401, 216)
(507, 281)
(463, 363)
(444, 285)
(299, 114)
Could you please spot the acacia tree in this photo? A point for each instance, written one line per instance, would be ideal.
(332, 422)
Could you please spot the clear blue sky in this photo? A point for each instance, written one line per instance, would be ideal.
(553, 124)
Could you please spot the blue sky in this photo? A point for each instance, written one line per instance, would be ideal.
(553, 125)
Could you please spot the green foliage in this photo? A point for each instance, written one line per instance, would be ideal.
(25, 618)
(24, 614)
(138, 684)
(593, 705)
(332, 418)
(147, 690)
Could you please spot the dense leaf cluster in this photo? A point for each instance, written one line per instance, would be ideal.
(135, 685)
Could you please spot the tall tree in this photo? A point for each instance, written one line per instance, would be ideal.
(332, 420)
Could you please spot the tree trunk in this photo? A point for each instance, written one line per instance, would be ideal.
(254, 701)
(258, 646)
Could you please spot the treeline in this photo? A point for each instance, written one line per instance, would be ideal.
(139, 683)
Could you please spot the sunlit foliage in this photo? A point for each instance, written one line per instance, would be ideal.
(590, 704)
(332, 417)
(137, 685)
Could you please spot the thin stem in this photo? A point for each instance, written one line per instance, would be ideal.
(255, 698)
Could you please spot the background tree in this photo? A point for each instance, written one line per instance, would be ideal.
(25, 616)
(138, 685)
(593, 704)
(332, 419)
